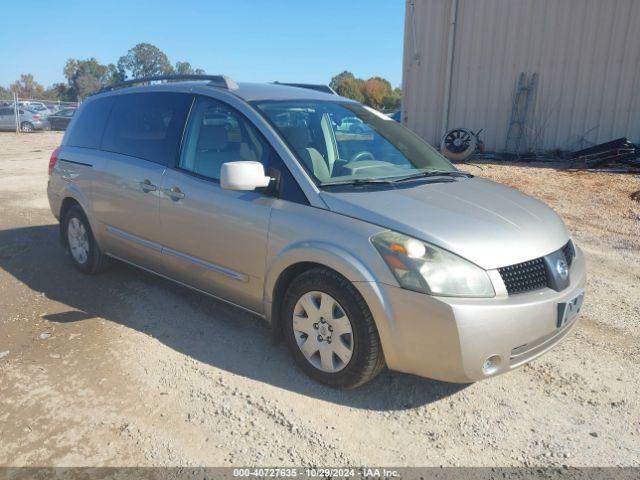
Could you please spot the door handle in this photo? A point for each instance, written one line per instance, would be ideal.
(147, 186)
(174, 193)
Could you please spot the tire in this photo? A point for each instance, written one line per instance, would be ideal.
(459, 144)
(366, 359)
(78, 237)
(26, 127)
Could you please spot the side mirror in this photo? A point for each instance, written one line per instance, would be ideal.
(243, 176)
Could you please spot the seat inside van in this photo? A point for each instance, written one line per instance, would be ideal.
(218, 139)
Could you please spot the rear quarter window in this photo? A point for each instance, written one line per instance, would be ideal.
(87, 129)
(147, 125)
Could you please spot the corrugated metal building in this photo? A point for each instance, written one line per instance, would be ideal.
(468, 54)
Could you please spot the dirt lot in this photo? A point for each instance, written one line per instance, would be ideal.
(128, 369)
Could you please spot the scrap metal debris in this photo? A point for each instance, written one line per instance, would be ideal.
(619, 151)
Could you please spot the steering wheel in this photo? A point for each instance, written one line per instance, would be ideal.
(363, 155)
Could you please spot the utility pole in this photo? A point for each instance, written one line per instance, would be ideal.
(16, 112)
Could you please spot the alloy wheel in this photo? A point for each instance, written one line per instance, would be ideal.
(78, 240)
(323, 331)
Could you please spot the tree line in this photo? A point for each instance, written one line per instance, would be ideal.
(375, 92)
(85, 77)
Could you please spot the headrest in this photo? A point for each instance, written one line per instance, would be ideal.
(298, 137)
(212, 137)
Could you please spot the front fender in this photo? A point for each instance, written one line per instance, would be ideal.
(349, 266)
(323, 253)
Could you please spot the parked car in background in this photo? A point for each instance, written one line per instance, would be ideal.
(36, 107)
(54, 107)
(60, 120)
(351, 125)
(29, 120)
(360, 250)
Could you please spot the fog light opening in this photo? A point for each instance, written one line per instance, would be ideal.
(491, 365)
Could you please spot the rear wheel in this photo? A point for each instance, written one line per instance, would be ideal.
(26, 127)
(330, 330)
(85, 253)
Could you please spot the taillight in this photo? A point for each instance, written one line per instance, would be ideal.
(36, 117)
(54, 159)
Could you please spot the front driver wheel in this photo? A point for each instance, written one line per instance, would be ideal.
(330, 330)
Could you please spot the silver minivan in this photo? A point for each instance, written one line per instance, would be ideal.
(361, 249)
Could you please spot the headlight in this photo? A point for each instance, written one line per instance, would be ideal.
(426, 268)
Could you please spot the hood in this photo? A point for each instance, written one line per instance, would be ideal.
(487, 223)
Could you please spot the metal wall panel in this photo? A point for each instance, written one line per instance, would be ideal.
(586, 54)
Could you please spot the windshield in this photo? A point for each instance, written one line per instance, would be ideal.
(347, 142)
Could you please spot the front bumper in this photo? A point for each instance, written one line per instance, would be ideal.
(449, 339)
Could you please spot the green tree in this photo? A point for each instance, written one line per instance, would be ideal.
(86, 77)
(144, 60)
(60, 91)
(5, 94)
(376, 92)
(337, 81)
(347, 85)
(185, 68)
(26, 87)
(115, 75)
(392, 100)
(351, 88)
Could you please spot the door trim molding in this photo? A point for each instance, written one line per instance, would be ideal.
(134, 238)
(241, 277)
(248, 310)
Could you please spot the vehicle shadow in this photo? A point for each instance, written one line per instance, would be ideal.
(203, 328)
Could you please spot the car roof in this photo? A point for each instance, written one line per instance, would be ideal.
(246, 90)
(275, 91)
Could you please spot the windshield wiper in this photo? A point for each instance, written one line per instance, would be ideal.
(434, 173)
(390, 181)
(357, 181)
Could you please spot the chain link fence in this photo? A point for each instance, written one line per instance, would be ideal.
(25, 115)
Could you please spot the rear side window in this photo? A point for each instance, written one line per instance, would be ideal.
(88, 127)
(147, 125)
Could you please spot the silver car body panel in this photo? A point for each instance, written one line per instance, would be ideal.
(235, 245)
(217, 238)
(489, 224)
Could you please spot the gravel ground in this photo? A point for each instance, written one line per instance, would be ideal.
(127, 369)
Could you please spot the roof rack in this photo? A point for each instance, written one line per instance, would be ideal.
(311, 86)
(221, 81)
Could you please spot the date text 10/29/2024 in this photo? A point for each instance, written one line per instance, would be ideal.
(364, 472)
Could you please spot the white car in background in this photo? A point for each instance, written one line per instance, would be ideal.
(352, 125)
(36, 107)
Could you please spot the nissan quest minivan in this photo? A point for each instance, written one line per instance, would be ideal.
(362, 249)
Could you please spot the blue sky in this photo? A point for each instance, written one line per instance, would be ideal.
(250, 40)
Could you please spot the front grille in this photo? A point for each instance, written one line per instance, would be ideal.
(568, 252)
(532, 275)
(525, 276)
